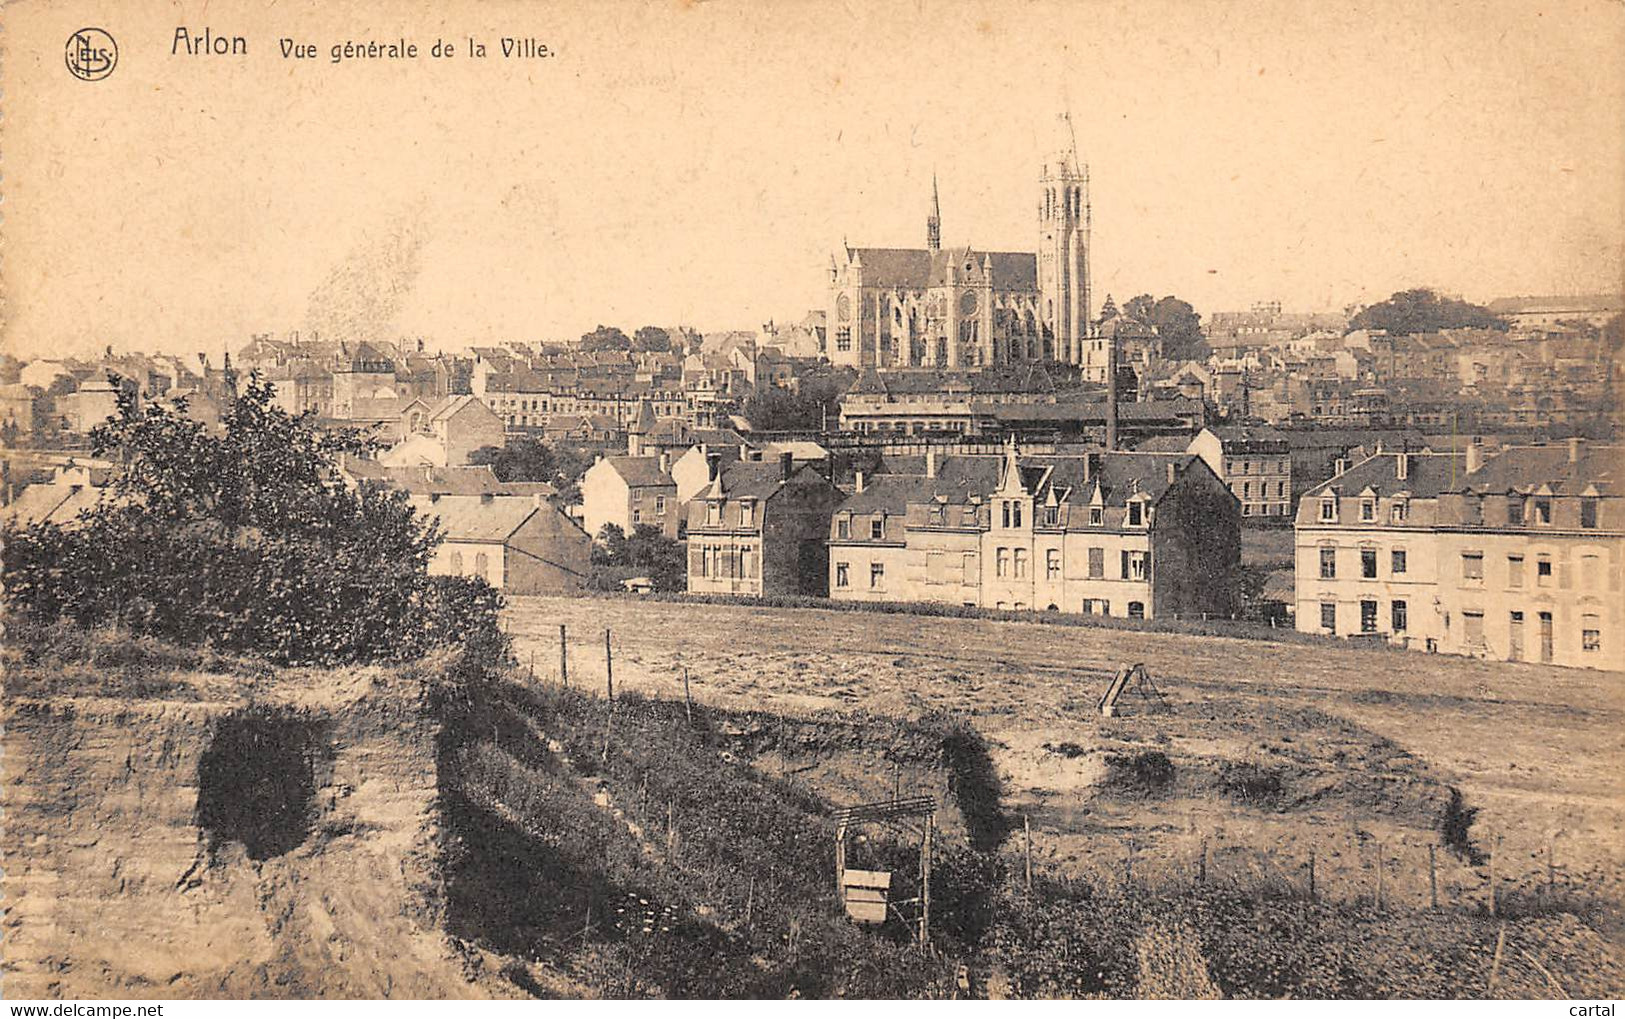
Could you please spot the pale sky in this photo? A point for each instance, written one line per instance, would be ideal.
(697, 163)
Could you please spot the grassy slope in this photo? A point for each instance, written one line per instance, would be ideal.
(1540, 749)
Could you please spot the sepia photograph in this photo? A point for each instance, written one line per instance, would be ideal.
(981, 500)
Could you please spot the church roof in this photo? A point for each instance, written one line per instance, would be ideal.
(920, 268)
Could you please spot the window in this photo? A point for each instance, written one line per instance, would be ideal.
(843, 575)
(1016, 512)
(1515, 509)
(1097, 563)
(1514, 571)
(973, 572)
(1246, 489)
(1472, 566)
(1368, 617)
(843, 338)
(1473, 628)
(1136, 610)
(1368, 510)
(747, 562)
(843, 527)
(877, 528)
(1001, 563)
(1005, 516)
(1052, 564)
(1021, 563)
(1328, 564)
(1368, 563)
(1397, 611)
(660, 505)
(1398, 511)
(1588, 512)
(1052, 515)
(1543, 571)
(1097, 516)
(1543, 511)
(877, 574)
(1396, 561)
(1328, 616)
(1590, 633)
(1328, 509)
(1135, 565)
(457, 563)
(1136, 511)
(713, 513)
(1590, 572)
(747, 514)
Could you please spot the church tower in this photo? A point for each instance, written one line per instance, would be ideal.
(1063, 249)
(933, 222)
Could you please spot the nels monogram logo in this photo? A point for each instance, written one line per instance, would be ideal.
(92, 54)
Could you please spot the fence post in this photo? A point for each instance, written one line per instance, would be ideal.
(1433, 878)
(1128, 865)
(1201, 865)
(688, 702)
(1027, 837)
(609, 667)
(1379, 875)
(1551, 866)
(1311, 874)
(1491, 852)
(1495, 963)
(564, 659)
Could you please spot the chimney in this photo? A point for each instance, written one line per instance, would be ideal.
(665, 462)
(931, 461)
(1576, 446)
(1342, 465)
(1475, 456)
(1402, 466)
(1111, 391)
(745, 452)
(713, 466)
(858, 482)
(536, 500)
(1173, 471)
(487, 498)
(787, 466)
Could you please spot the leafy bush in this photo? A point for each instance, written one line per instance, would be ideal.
(1456, 826)
(246, 541)
(1142, 773)
(1251, 783)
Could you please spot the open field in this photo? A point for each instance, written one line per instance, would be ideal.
(1357, 749)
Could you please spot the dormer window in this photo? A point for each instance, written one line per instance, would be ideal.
(747, 514)
(1097, 516)
(1399, 511)
(1588, 512)
(1136, 513)
(877, 528)
(1543, 511)
(1368, 510)
(1328, 509)
(843, 527)
(1052, 515)
(713, 513)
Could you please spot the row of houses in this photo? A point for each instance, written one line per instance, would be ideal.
(1517, 555)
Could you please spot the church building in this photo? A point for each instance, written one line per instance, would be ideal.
(958, 307)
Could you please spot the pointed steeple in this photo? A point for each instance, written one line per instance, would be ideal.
(933, 222)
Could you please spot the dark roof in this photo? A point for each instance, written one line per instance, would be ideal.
(1428, 475)
(1525, 468)
(640, 471)
(476, 518)
(920, 268)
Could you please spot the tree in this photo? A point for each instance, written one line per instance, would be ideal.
(1139, 308)
(247, 539)
(605, 338)
(529, 459)
(815, 404)
(1421, 310)
(652, 339)
(1180, 329)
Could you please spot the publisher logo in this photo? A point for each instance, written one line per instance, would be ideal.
(92, 54)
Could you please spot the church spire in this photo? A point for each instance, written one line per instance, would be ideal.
(933, 222)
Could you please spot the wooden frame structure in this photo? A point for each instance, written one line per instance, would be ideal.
(898, 812)
(1140, 676)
